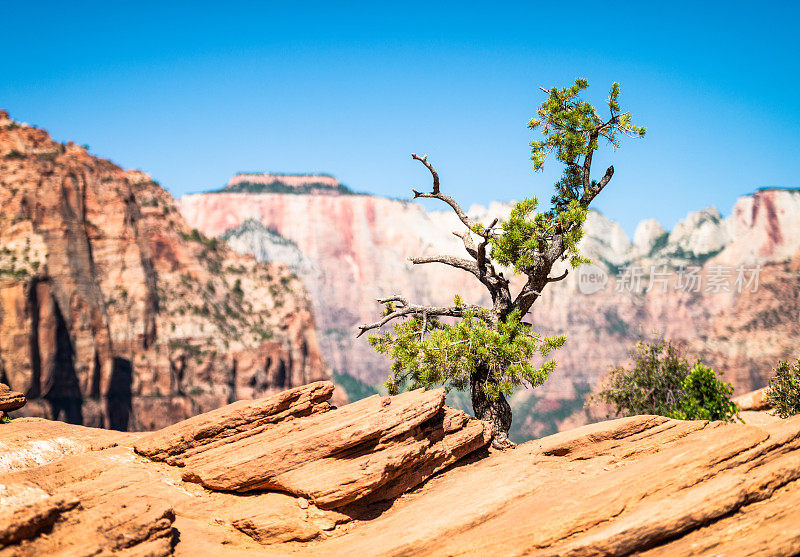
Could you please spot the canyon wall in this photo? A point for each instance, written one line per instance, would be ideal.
(350, 250)
(114, 312)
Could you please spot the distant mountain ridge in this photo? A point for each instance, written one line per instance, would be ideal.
(267, 182)
(351, 250)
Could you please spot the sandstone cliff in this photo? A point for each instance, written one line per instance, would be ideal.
(350, 250)
(114, 312)
(288, 475)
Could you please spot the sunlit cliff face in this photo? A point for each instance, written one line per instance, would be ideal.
(114, 312)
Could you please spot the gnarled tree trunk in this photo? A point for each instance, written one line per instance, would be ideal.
(496, 411)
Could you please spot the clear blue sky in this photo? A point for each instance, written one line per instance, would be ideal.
(193, 92)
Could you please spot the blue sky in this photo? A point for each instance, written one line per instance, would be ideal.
(193, 92)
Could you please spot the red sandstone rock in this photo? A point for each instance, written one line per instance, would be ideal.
(86, 504)
(31, 520)
(115, 313)
(10, 400)
(614, 488)
(232, 423)
(641, 485)
(375, 448)
(753, 401)
(370, 450)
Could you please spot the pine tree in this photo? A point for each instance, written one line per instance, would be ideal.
(489, 350)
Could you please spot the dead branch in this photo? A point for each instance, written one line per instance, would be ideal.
(407, 309)
(457, 262)
(469, 245)
(481, 259)
(424, 160)
(436, 194)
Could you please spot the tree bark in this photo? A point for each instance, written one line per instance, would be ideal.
(497, 411)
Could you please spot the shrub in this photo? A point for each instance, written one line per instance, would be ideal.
(783, 392)
(14, 154)
(705, 397)
(654, 383)
(237, 288)
(663, 382)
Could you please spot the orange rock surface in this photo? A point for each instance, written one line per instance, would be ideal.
(10, 400)
(641, 485)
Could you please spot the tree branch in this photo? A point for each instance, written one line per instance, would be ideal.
(481, 259)
(587, 161)
(558, 278)
(482, 269)
(469, 245)
(458, 262)
(604, 180)
(424, 160)
(526, 297)
(407, 309)
(462, 216)
(592, 192)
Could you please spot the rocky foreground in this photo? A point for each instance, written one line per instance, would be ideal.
(289, 474)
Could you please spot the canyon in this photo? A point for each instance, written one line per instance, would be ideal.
(122, 307)
(206, 330)
(741, 317)
(114, 312)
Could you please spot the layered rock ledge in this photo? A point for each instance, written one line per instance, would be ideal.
(375, 448)
(10, 400)
(304, 478)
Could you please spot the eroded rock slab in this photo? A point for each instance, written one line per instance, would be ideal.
(338, 457)
(97, 502)
(614, 488)
(29, 442)
(752, 401)
(10, 400)
(234, 422)
(94, 482)
(28, 521)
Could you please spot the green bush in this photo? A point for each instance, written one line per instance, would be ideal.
(705, 397)
(662, 382)
(783, 392)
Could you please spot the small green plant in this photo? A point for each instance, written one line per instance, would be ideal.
(193, 236)
(783, 392)
(451, 355)
(663, 382)
(705, 397)
(5, 420)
